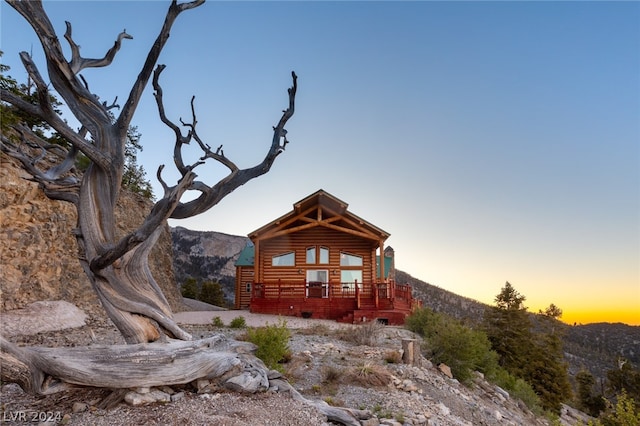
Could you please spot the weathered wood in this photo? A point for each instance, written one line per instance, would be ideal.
(227, 362)
(411, 352)
(48, 370)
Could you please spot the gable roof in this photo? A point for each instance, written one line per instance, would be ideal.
(246, 256)
(320, 209)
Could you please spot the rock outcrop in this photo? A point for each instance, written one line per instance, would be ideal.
(38, 252)
(207, 256)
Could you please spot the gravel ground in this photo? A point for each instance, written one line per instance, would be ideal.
(348, 366)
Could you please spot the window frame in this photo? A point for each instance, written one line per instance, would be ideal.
(284, 255)
(355, 256)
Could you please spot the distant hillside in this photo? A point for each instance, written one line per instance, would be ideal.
(443, 301)
(207, 256)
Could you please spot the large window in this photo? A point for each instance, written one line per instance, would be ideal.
(317, 255)
(349, 278)
(285, 259)
(347, 259)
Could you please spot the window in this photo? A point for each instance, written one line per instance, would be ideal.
(324, 255)
(320, 255)
(311, 254)
(248, 287)
(285, 259)
(351, 276)
(347, 259)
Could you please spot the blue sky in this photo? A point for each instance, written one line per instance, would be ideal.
(495, 141)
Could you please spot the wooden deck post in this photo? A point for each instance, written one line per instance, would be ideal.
(375, 287)
(357, 295)
(382, 271)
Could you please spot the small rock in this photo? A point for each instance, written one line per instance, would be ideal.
(167, 389)
(136, 399)
(79, 407)
(502, 392)
(274, 374)
(177, 396)
(444, 410)
(65, 419)
(370, 422)
(446, 370)
(202, 384)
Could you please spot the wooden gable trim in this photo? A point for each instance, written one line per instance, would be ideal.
(278, 229)
(358, 228)
(350, 231)
(280, 226)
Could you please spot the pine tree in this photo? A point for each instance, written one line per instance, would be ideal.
(190, 288)
(624, 378)
(509, 330)
(212, 294)
(590, 403)
(536, 358)
(547, 371)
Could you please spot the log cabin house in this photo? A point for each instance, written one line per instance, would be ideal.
(321, 261)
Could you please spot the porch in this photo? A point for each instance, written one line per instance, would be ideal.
(344, 302)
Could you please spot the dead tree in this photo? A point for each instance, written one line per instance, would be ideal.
(118, 268)
(158, 351)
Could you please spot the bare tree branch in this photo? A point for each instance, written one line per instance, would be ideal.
(79, 63)
(159, 213)
(180, 139)
(80, 101)
(152, 58)
(210, 196)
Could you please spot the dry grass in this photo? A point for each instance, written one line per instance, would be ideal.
(315, 330)
(367, 375)
(393, 357)
(331, 374)
(367, 334)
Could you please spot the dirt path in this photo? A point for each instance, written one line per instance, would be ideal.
(252, 320)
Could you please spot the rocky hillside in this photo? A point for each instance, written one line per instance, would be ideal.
(595, 347)
(443, 301)
(358, 368)
(38, 250)
(207, 256)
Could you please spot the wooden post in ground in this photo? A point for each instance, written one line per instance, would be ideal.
(411, 352)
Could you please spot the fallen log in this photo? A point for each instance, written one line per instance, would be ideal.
(47, 370)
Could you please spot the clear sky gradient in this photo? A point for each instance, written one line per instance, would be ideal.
(495, 141)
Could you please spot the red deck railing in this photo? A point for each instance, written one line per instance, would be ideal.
(341, 301)
(302, 289)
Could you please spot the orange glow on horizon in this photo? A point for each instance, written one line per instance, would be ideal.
(587, 316)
